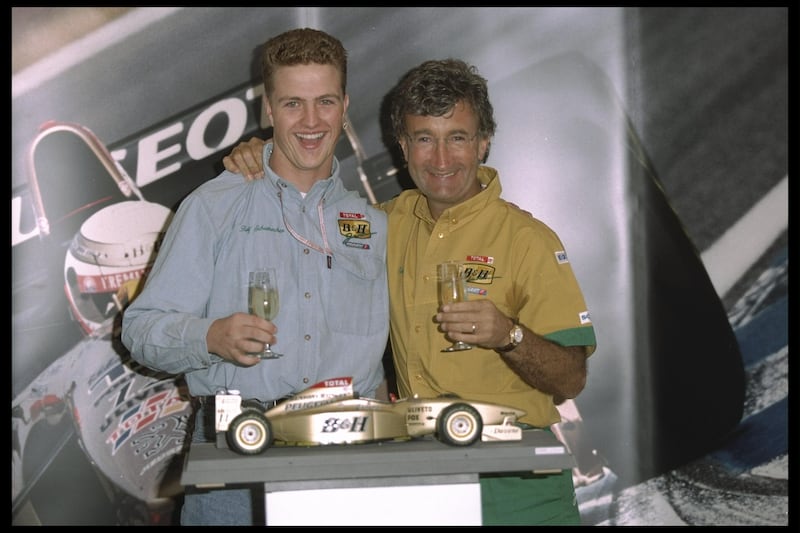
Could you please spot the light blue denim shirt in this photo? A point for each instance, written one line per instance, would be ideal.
(333, 320)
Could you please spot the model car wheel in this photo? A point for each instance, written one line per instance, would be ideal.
(459, 424)
(249, 433)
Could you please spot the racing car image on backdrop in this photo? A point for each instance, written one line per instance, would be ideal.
(330, 412)
(95, 436)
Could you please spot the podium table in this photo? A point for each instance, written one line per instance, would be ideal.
(416, 482)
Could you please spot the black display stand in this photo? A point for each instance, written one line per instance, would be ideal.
(446, 477)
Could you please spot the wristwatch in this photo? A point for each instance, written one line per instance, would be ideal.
(514, 338)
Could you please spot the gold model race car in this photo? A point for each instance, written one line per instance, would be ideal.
(331, 413)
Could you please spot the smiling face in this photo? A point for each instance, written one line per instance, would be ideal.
(306, 108)
(443, 155)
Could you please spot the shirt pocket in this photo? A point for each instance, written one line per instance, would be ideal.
(358, 302)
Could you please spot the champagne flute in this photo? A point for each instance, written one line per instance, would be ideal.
(452, 288)
(262, 300)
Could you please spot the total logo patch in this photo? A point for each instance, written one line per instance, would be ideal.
(351, 216)
(481, 259)
(585, 318)
(561, 257)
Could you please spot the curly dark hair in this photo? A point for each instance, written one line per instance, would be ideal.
(302, 46)
(434, 87)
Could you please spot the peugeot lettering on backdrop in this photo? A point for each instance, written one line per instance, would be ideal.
(162, 152)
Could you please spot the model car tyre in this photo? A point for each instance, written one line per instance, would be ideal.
(249, 433)
(252, 404)
(459, 424)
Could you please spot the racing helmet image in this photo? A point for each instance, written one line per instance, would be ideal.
(108, 258)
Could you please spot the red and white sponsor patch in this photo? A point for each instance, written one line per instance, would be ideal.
(481, 259)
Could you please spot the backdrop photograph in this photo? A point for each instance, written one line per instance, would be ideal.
(654, 141)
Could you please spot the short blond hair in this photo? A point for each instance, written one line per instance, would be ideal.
(302, 46)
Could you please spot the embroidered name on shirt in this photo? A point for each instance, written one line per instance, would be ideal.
(561, 257)
(258, 227)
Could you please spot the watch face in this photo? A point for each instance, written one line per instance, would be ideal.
(516, 335)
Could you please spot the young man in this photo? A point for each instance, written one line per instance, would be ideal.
(526, 315)
(191, 316)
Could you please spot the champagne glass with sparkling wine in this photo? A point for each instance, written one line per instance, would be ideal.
(262, 300)
(452, 288)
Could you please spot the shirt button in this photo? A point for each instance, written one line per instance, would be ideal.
(307, 337)
(307, 295)
(418, 377)
(417, 329)
(454, 221)
(305, 380)
(441, 235)
(306, 251)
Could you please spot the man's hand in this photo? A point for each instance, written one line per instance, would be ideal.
(238, 336)
(245, 159)
(491, 326)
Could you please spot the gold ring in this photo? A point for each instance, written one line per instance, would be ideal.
(474, 327)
